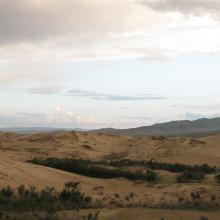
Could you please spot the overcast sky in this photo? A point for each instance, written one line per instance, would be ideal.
(105, 63)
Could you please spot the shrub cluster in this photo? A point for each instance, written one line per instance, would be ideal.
(175, 168)
(47, 216)
(200, 218)
(217, 177)
(48, 199)
(91, 169)
(189, 176)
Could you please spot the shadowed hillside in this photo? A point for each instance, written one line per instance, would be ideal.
(197, 128)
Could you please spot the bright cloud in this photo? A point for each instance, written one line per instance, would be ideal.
(60, 118)
(64, 116)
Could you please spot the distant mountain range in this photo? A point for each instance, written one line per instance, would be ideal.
(197, 128)
(29, 130)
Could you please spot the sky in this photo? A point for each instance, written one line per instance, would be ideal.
(103, 63)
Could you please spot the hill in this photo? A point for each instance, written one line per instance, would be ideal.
(198, 128)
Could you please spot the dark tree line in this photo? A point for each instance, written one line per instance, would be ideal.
(172, 167)
(108, 169)
(92, 169)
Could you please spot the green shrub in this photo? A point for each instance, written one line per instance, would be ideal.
(91, 216)
(47, 199)
(89, 168)
(175, 167)
(189, 176)
(203, 218)
(6, 192)
(150, 175)
(21, 191)
(195, 195)
(217, 177)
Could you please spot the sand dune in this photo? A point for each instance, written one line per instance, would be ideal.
(15, 149)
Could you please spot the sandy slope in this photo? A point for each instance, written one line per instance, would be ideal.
(64, 144)
(15, 173)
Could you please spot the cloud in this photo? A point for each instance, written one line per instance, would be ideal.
(31, 20)
(91, 95)
(74, 30)
(136, 118)
(60, 118)
(67, 117)
(36, 33)
(8, 78)
(21, 119)
(111, 97)
(194, 116)
(195, 7)
(202, 106)
(45, 90)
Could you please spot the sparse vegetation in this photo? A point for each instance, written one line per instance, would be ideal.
(28, 203)
(48, 199)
